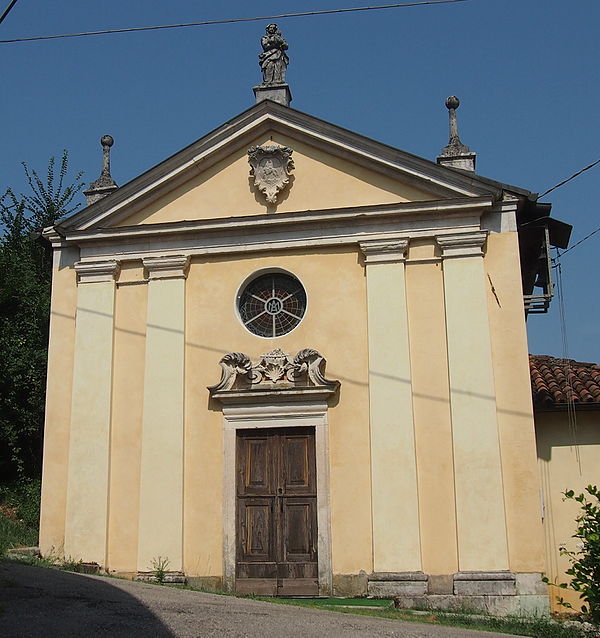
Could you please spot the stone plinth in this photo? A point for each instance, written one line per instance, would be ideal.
(498, 593)
(275, 92)
(464, 161)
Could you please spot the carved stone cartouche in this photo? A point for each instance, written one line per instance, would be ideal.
(270, 165)
(306, 369)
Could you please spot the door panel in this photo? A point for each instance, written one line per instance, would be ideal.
(255, 467)
(299, 521)
(299, 474)
(256, 525)
(276, 521)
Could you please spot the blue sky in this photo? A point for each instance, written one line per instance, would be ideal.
(526, 71)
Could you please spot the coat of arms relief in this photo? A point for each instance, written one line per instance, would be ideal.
(270, 165)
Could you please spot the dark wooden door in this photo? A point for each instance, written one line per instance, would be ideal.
(276, 512)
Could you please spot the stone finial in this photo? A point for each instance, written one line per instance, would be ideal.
(273, 63)
(456, 154)
(105, 184)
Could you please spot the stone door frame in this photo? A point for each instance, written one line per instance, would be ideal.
(277, 415)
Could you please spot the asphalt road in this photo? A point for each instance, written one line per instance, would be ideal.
(37, 602)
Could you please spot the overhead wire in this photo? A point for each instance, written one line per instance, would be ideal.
(7, 10)
(586, 168)
(565, 360)
(396, 5)
(564, 181)
(579, 242)
(566, 366)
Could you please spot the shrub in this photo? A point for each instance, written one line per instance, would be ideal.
(585, 561)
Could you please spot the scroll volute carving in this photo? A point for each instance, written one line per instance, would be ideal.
(273, 370)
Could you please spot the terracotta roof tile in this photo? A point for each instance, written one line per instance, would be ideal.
(554, 381)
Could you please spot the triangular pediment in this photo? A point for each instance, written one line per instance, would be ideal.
(334, 168)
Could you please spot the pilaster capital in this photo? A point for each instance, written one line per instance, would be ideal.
(384, 251)
(462, 245)
(97, 271)
(167, 266)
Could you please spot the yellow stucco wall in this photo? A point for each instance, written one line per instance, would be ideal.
(323, 181)
(513, 404)
(126, 426)
(431, 404)
(335, 325)
(58, 403)
(568, 459)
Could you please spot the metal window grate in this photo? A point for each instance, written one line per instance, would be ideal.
(272, 305)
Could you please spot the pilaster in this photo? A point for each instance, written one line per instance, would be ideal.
(481, 520)
(395, 506)
(161, 481)
(88, 472)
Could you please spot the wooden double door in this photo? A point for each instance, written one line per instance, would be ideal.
(276, 512)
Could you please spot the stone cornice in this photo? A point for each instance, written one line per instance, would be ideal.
(462, 245)
(384, 251)
(435, 210)
(304, 230)
(56, 239)
(97, 271)
(167, 266)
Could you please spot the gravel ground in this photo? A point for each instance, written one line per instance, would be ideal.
(45, 602)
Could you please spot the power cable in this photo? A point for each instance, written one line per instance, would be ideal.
(7, 10)
(566, 366)
(559, 254)
(230, 20)
(579, 242)
(564, 252)
(570, 178)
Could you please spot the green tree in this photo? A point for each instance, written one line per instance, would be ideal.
(25, 284)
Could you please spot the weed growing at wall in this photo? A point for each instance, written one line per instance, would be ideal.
(159, 568)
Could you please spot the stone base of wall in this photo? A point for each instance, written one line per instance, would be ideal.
(206, 583)
(350, 585)
(499, 593)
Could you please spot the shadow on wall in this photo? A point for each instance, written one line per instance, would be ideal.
(37, 601)
(554, 431)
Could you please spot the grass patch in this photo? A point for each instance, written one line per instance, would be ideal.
(346, 602)
(538, 627)
(15, 533)
(19, 514)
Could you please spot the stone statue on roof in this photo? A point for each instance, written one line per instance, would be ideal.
(273, 60)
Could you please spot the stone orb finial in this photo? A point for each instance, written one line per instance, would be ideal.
(107, 140)
(452, 102)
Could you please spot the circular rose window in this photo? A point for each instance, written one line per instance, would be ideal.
(272, 305)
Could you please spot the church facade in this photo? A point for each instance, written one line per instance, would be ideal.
(293, 360)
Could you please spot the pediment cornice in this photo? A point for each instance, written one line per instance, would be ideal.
(268, 116)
